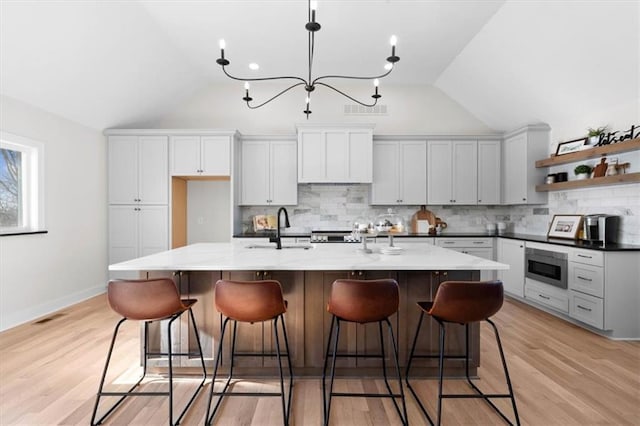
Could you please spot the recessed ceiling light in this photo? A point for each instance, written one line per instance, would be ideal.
(254, 66)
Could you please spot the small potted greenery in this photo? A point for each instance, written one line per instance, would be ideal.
(583, 171)
(594, 134)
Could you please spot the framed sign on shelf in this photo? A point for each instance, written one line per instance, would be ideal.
(570, 146)
(565, 226)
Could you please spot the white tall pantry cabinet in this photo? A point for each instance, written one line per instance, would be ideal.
(521, 149)
(138, 182)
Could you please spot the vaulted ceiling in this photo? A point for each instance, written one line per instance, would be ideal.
(107, 64)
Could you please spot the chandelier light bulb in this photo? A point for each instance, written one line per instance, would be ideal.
(307, 100)
(222, 43)
(254, 66)
(388, 66)
(314, 5)
(246, 85)
(394, 40)
(376, 82)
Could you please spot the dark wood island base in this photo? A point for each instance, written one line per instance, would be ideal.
(308, 322)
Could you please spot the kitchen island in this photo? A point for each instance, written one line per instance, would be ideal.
(306, 273)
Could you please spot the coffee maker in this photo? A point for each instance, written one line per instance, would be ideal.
(601, 227)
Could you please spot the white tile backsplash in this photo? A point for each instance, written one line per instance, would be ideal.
(337, 206)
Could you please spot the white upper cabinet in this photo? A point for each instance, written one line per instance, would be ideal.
(194, 155)
(335, 155)
(138, 170)
(399, 172)
(521, 149)
(489, 190)
(452, 172)
(269, 173)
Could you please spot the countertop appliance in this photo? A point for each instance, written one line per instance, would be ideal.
(601, 227)
(333, 236)
(546, 266)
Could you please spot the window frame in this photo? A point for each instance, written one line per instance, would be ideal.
(33, 206)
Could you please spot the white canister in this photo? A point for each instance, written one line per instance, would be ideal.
(491, 228)
(502, 228)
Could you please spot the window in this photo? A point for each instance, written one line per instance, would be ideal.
(21, 184)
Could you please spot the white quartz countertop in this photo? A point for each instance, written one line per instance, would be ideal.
(237, 256)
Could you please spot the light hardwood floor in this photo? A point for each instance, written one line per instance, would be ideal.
(562, 375)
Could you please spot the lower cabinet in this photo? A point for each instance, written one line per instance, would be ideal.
(550, 296)
(479, 247)
(511, 252)
(586, 308)
(137, 230)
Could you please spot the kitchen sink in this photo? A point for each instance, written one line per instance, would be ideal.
(284, 246)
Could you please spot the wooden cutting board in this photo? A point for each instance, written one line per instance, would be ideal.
(422, 214)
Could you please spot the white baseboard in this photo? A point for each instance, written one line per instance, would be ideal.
(29, 314)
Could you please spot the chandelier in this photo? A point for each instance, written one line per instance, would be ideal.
(310, 83)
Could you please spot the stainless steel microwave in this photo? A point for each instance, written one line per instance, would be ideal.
(549, 267)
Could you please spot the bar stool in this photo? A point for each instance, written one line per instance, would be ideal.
(362, 302)
(149, 301)
(251, 301)
(462, 302)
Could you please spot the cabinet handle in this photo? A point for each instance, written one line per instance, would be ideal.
(479, 201)
(478, 242)
(524, 199)
(584, 279)
(586, 257)
(448, 242)
(521, 246)
(544, 297)
(583, 308)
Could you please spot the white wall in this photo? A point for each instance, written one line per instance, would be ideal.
(411, 109)
(42, 273)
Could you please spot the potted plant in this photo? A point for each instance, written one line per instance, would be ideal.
(583, 171)
(594, 134)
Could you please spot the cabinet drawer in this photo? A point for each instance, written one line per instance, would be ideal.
(588, 257)
(551, 297)
(586, 279)
(587, 309)
(464, 242)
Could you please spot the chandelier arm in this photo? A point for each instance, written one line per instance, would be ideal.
(264, 78)
(274, 97)
(351, 77)
(347, 96)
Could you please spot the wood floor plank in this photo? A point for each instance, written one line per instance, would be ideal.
(561, 373)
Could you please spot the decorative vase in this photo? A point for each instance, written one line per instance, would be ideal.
(581, 176)
(593, 140)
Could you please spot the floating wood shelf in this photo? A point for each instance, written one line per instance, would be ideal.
(585, 183)
(599, 151)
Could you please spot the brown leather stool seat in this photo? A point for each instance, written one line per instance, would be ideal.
(362, 302)
(462, 302)
(149, 300)
(251, 301)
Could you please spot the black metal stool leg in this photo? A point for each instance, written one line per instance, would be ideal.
(286, 345)
(441, 372)
(333, 371)
(405, 418)
(324, 371)
(406, 377)
(210, 415)
(283, 398)
(506, 372)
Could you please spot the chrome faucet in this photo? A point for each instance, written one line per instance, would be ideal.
(277, 239)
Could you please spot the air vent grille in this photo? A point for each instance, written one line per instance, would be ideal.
(355, 109)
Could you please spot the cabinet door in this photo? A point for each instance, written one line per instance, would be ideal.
(515, 167)
(153, 173)
(511, 252)
(185, 155)
(464, 162)
(123, 233)
(255, 173)
(123, 169)
(485, 253)
(439, 172)
(153, 229)
(283, 173)
(216, 155)
(360, 157)
(489, 172)
(386, 168)
(337, 148)
(311, 157)
(413, 172)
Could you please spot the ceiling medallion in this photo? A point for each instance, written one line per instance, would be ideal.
(310, 83)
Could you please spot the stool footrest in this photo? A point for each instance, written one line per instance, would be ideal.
(270, 354)
(247, 393)
(357, 356)
(173, 354)
(133, 393)
(368, 395)
(471, 395)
